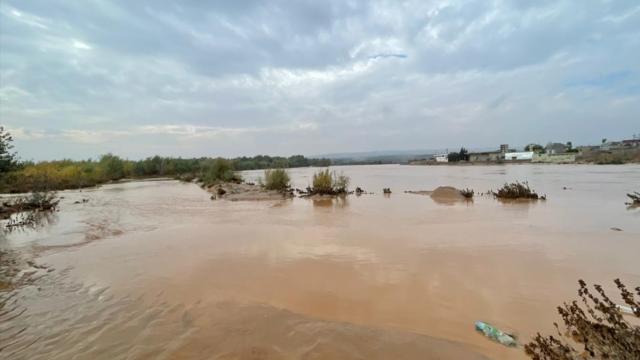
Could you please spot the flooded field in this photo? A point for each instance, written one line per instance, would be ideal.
(155, 269)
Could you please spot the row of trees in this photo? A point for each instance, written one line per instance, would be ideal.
(66, 174)
(462, 155)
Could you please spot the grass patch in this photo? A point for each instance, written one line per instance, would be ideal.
(276, 179)
(326, 182)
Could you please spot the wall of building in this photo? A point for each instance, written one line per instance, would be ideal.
(485, 157)
(554, 158)
(442, 158)
(518, 156)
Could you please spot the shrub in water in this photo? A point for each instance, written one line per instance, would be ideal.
(467, 193)
(276, 179)
(516, 190)
(326, 182)
(322, 182)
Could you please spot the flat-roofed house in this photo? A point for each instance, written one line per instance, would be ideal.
(519, 156)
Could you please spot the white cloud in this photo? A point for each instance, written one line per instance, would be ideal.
(304, 76)
(80, 45)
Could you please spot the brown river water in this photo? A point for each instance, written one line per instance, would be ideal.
(157, 270)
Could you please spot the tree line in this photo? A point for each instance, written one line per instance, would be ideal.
(24, 176)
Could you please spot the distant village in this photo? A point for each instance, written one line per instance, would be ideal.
(608, 152)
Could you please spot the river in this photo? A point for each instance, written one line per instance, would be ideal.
(155, 269)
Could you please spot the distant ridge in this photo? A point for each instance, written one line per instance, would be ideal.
(391, 155)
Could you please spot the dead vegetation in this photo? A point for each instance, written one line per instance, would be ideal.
(36, 202)
(517, 190)
(467, 193)
(595, 329)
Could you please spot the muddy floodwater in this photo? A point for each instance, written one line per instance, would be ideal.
(157, 270)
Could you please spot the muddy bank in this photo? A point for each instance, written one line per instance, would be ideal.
(246, 192)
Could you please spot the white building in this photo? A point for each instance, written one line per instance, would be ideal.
(519, 156)
(442, 158)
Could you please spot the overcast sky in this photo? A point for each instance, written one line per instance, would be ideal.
(195, 78)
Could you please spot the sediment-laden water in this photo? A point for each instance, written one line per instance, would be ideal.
(148, 270)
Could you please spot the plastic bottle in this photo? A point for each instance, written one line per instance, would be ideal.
(495, 334)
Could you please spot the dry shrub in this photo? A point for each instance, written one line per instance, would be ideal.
(595, 329)
(516, 190)
(467, 193)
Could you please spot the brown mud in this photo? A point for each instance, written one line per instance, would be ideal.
(442, 194)
(246, 192)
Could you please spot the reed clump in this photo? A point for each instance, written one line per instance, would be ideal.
(326, 182)
(276, 179)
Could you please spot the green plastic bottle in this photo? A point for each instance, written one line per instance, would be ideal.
(495, 334)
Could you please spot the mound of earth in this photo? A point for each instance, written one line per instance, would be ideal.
(442, 194)
(246, 192)
(447, 193)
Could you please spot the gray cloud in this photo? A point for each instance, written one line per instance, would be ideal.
(238, 78)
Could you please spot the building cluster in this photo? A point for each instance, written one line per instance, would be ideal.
(552, 153)
(556, 153)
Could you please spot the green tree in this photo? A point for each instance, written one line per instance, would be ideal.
(7, 158)
(113, 166)
(537, 148)
(464, 154)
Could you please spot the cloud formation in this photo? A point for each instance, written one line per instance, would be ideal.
(195, 78)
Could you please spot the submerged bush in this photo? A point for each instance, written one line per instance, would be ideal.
(37, 201)
(517, 190)
(467, 193)
(276, 179)
(326, 182)
(597, 329)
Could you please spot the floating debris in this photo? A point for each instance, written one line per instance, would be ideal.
(495, 334)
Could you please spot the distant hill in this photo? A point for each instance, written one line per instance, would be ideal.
(387, 156)
(378, 157)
